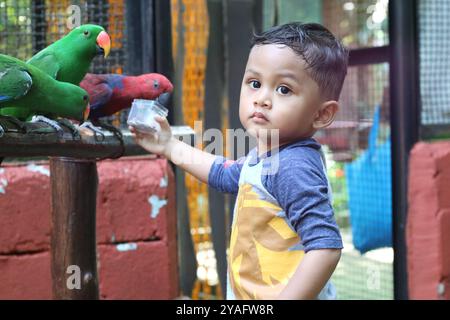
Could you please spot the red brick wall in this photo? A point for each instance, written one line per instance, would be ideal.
(136, 230)
(428, 224)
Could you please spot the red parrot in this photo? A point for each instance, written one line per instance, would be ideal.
(110, 93)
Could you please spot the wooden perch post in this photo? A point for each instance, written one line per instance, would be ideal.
(73, 244)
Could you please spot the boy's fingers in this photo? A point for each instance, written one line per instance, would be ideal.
(137, 134)
(163, 123)
(132, 130)
(142, 136)
(160, 119)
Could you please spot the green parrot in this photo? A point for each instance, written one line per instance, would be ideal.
(69, 58)
(25, 90)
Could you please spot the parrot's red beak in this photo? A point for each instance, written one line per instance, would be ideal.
(86, 112)
(104, 42)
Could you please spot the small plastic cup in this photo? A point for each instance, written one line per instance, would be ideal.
(142, 115)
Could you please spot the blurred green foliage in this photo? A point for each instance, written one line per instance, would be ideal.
(15, 28)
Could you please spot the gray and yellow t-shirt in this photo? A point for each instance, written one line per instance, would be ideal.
(282, 210)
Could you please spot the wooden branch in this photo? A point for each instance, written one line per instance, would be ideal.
(16, 144)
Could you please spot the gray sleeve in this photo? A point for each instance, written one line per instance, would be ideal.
(224, 174)
(301, 188)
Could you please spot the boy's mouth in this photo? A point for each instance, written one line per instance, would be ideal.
(259, 117)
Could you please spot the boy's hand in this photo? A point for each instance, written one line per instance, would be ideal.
(158, 142)
(195, 161)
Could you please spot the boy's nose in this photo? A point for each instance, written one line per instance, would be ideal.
(263, 102)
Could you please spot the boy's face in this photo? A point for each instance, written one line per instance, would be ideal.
(278, 93)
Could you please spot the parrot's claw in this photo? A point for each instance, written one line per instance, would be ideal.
(50, 122)
(118, 134)
(20, 126)
(98, 134)
(66, 123)
(96, 125)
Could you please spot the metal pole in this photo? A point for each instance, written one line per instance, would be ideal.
(148, 39)
(73, 243)
(134, 36)
(405, 121)
(214, 93)
(39, 25)
(163, 57)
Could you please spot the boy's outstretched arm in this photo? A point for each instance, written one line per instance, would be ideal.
(312, 274)
(193, 160)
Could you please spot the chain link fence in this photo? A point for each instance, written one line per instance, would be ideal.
(434, 45)
(28, 26)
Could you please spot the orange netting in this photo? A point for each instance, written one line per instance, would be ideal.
(116, 25)
(175, 12)
(57, 15)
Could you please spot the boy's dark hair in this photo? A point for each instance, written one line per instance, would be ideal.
(324, 55)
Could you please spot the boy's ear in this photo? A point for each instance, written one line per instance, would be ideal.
(326, 114)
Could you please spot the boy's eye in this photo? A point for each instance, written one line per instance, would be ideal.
(283, 90)
(255, 84)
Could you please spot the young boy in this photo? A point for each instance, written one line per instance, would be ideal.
(285, 243)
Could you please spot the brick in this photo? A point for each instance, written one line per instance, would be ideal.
(141, 270)
(443, 221)
(25, 277)
(132, 200)
(24, 208)
(428, 221)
